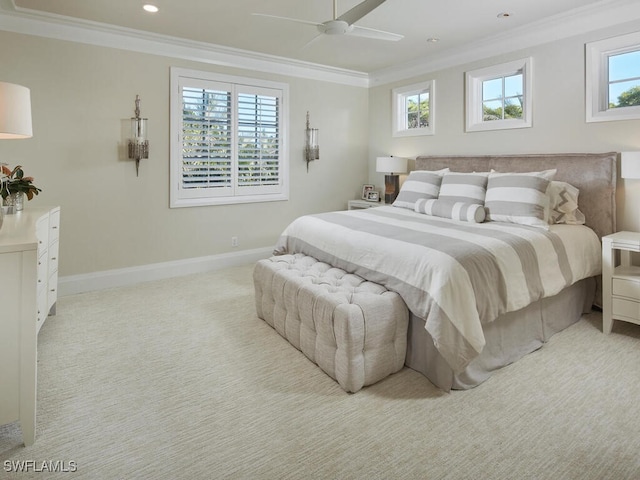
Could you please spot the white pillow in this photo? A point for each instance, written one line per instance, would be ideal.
(464, 212)
(419, 184)
(519, 198)
(563, 204)
(464, 187)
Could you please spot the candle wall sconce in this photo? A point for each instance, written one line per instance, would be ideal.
(138, 143)
(311, 149)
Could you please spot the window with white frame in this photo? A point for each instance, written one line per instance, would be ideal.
(613, 79)
(499, 97)
(228, 139)
(414, 109)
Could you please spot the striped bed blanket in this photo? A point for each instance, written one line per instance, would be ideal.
(455, 275)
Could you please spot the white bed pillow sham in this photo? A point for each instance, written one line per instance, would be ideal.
(563, 204)
(519, 198)
(420, 184)
(464, 187)
(464, 212)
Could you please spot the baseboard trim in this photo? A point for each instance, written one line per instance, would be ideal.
(87, 282)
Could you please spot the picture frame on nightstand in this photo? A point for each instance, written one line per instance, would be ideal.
(373, 196)
(365, 191)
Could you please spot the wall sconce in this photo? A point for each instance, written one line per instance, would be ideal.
(391, 166)
(311, 149)
(138, 143)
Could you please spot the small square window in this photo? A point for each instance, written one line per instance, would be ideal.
(413, 110)
(499, 97)
(613, 79)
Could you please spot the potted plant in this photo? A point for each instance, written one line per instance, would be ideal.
(14, 186)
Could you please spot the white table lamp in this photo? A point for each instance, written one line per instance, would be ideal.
(15, 117)
(15, 111)
(391, 166)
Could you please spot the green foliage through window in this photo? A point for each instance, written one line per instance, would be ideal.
(624, 79)
(418, 110)
(502, 98)
(207, 139)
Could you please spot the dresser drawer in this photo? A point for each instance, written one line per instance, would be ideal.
(43, 308)
(54, 226)
(42, 234)
(43, 271)
(52, 291)
(53, 258)
(626, 288)
(626, 308)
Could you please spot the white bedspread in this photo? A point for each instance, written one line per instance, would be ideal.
(455, 275)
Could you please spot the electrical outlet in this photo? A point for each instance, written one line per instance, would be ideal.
(234, 241)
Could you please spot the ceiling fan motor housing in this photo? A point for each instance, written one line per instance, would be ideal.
(335, 27)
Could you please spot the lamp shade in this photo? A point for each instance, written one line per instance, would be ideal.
(15, 111)
(391, 164)
(630, 163)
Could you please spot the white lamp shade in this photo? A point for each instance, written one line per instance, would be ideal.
(630, 162)
(15, 111)
(391, 164)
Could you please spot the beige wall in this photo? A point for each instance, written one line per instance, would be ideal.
(558, 117)
(83, 96)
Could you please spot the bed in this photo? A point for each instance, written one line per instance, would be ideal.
(473, 306)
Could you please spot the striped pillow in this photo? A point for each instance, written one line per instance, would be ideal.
(464, 212)
(519, 198)
(419, 184)
(464, 187)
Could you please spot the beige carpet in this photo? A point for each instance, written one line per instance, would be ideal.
(178, 379)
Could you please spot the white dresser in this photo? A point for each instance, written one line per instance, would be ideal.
(28, 292)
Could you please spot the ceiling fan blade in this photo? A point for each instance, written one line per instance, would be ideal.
(359, 11)
(373, 33)
(313, 40)
(297, 20)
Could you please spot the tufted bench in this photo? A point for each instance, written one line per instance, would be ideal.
(354, 330)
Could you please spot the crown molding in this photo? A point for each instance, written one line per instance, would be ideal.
(59, 27)
(578, 21)
(603, 14)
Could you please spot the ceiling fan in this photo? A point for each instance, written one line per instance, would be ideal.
(344, 24)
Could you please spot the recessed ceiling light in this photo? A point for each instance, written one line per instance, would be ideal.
(150, 8)
(504, 15)
(433, 39)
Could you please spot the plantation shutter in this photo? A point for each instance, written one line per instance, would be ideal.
(228, 139)
(258, 140)
(207, 154)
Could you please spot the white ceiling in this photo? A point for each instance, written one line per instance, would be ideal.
(458, 24)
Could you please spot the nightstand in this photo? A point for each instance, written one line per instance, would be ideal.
(359, 204)
(620, 280)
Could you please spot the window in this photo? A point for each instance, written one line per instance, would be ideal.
(613, 79)
(228, 139)
(413, 110)
(499, 97)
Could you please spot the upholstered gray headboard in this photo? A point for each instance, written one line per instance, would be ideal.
(593, 173)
